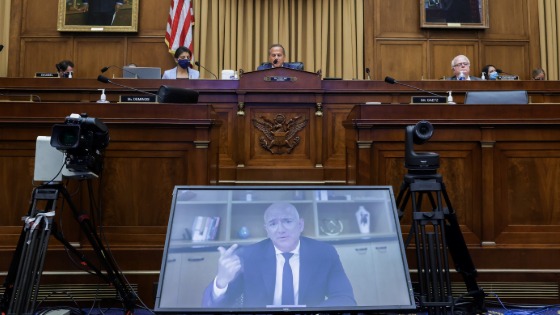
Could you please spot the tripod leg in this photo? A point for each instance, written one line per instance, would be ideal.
(127, 295)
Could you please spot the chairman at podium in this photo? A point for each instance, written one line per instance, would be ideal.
(277, 59)
(286, 269)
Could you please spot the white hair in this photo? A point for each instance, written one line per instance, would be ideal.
(456, 57)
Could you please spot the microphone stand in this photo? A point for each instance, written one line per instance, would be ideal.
(104, 79)
(104, 69)
(393, 81)
(200, 66)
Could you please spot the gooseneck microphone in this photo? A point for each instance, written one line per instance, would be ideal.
(368, 75)
(104, 79)
(275, 62)
(104, 69)
(393, 81)
(199, 66)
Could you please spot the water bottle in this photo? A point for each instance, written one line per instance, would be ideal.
(462, 76)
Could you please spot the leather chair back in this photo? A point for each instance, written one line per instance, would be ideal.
(496, 97)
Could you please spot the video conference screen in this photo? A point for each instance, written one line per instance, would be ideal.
(283, 249)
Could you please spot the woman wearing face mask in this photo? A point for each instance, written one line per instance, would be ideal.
(183, 70)
(490, 72)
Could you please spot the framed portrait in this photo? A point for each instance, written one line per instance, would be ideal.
(98, 15)
(454, 14)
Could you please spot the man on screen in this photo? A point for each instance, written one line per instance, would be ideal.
(256, 275)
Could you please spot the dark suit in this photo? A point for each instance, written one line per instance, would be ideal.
(322, 280)
(100, 12)
(295, 66)
(473, 78)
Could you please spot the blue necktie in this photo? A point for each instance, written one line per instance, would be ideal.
(287, 281)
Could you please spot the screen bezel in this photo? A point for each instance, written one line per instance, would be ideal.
(309, 191)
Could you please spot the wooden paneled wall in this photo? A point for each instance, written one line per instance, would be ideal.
(395, 45)
(394, 42)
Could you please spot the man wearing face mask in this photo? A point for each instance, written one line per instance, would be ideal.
(183, 70)
(490, 72)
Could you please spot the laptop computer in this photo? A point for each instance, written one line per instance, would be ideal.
(141, 72)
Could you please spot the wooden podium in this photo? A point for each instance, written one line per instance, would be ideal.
(279, 136)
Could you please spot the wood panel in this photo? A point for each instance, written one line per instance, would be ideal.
(512, 23)
(509, 19)
(403, 59)
(396, 19)
(511, 58)
(445, 51)
(41, 55)
(525, 163)
(93, 53)
(39, 18)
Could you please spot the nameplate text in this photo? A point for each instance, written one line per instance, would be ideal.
(138, 99)
(46, 75)
(429, 100)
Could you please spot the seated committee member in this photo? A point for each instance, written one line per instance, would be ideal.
(65, 69)
(256, 272)
(490, 72)
(461, 64)
(276, 59)
(538, 74)
(183, 70)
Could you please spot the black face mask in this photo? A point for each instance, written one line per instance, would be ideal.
(184, 63)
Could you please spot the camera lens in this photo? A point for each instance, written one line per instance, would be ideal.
(68, 137)
(423, 132)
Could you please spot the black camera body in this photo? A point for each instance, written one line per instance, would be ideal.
(419, 161)
(84, 140)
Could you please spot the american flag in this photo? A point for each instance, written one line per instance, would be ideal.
(180, 24)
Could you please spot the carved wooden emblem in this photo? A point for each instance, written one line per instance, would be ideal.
(279, 135)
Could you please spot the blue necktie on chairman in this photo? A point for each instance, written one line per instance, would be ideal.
(287, 281)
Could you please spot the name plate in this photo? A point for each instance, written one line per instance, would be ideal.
(46, 75)
(138, 99)
(280, 79)
(429, 100)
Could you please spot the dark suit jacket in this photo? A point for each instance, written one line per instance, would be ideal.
(288, 65)
(473, 78)
(322, 282)
(102, 5)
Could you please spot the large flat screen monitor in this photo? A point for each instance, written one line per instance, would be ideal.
(223, 250)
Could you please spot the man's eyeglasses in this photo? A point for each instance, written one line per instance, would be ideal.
(466, 64)
(286, 223)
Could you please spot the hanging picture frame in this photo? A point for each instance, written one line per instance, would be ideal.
(98, 15)
(454, 14)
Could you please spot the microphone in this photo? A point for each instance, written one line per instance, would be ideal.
(199, 66)
(104, 69)
(367, 72)
(275, 61)
(104, 79)
(393, 81)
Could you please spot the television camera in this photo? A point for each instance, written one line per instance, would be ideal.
(420, 161)
(84, 140)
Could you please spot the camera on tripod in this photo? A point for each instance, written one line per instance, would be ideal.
(419, 161)
(84, 140)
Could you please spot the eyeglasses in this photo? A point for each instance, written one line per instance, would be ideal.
(287, 224)
(466, 64)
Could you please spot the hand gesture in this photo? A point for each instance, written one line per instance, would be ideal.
(229, 265)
